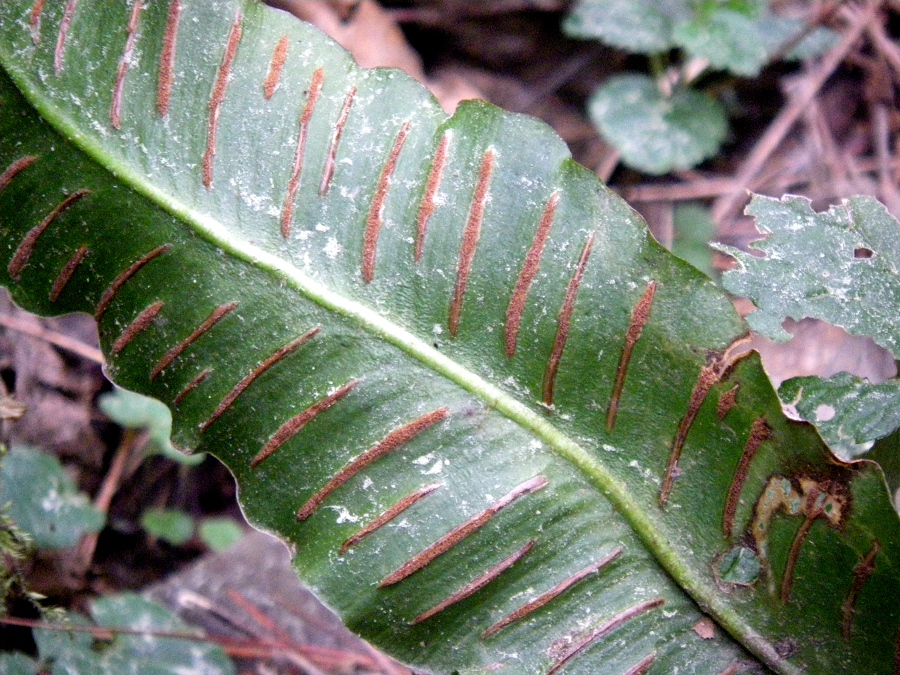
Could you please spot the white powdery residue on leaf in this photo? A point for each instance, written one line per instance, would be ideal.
(343, 515)
(367, 483)
(436, 468)
(333, 249)
(424, 459)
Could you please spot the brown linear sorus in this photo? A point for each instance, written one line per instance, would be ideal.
(26, 246)
(476, 584)
(395, 439)
(110, 293)
(190, 386)
(141, 323)
(294, 425)
(527, 275)
(375, 219)
(331, 157)
(215, 317)
(61, 38)
(471, 235)
(15, 169)
(401, 506)
(312, 97)
(34, 22)
(461, 532)
(639, 317)
(602, 631)
(245, 383)
(861, 574)
(642, 666)
(429, 205)
(217, 97)
(66, 273)
(279, 56)
(167, 59)
(565, 322)
(760, 432)
(553, 593)
(115, 111)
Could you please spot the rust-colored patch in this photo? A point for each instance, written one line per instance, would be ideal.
(296, 424)
(458, 534)
(861, 574)
(428, 205)
(760, 432)
(639, 317)
(115, 110)
(35, 20)
(242, 386)
(65, 274)
(564, 322)
(529, 271)
(602, 631)
(386, 517)
(727, 401)
(705, 629)
(218, 96)
(193, 384)
(476, 584)
(26, 246)
(273, 77)
(552, 594)
(215, 317)
(65, 24)
(471, 235)
(15, 169)
(397, 438)
(312, 97)
(709, 375)
(642, 666)
(124, 278)
(331, 157)
(139, 325)
(376, 211)
(167, 59)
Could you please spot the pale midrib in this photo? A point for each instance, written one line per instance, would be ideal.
(379, 326)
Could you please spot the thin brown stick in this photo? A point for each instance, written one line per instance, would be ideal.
(54, 338)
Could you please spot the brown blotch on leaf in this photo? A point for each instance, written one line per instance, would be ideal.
(705, 629)
(727, 401)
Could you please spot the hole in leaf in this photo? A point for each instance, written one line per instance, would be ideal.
(863, 253)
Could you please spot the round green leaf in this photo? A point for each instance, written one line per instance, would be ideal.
(174, 527)
(655, 133)
(220, 533)
(637, 26)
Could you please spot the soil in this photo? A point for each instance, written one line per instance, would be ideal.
(841, 139)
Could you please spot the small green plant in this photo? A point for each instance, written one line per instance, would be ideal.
(662, 122)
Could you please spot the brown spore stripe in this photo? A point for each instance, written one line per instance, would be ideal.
(552, 594)
(331, 158)
(428, 205)
(396, 439)
(215, 317)
(110, 293)
(733, 668)
(167, 59)
(245, 383)
(787, 581)
(376, 212)
(391, 513)
(64, 26)
(312, 97)
(760, 432)
(861, 574)
(193, 384)
(476, 584)
(564, 322)
(527, 275)
(273, 77)
(139, 325)
(639, 317)
(458, 534)
(26, 246)
(218, 96)
(727, 402)
(115, 111)
(642, 666)
(296, 424)
(65, 274)
(35, 20)
(15, 169)
(471, 235)
(709, 375)
(604, 630)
